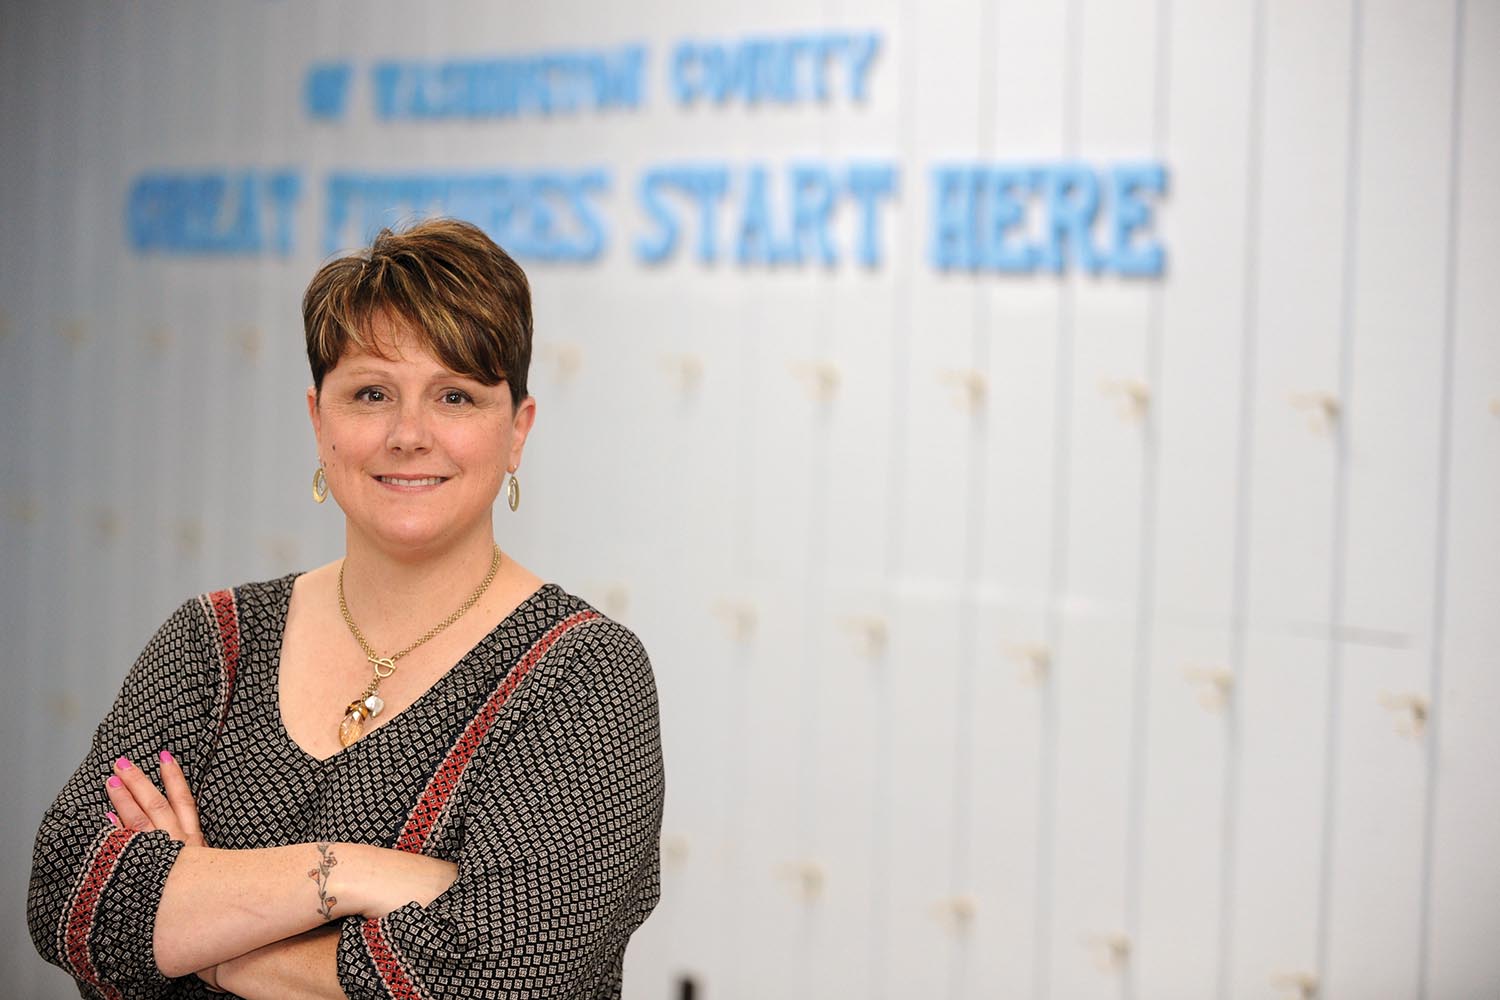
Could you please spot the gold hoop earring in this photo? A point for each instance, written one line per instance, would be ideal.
(320, 484)
(513, 492)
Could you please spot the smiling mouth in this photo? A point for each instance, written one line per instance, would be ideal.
(426, 481)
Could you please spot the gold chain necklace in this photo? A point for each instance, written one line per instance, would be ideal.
(369, 704)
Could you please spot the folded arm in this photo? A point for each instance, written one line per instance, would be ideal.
(218, 904)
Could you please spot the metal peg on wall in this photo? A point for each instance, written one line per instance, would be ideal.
(73, 332)
(108, 524)
(1131, 395)
(971, 388)
(870, 634)
(1214, 685)
(1111, 951)
(806, 877)
(189, 532)
(740, 617)
(674, 849)
(1410, 709)
(684, 369)
(956, 913)
(821, 378)
(23, 509)
(615, 597)
(1304, 983)
(1322, 409)
(282, 550)
(564, 359)
(1035, 659)
(158, 340)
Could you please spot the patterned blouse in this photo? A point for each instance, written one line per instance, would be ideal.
(534, 765)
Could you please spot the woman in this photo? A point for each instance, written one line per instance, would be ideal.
(417, 771)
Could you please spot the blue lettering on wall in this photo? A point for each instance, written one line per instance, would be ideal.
(546, 215)
(213, 212)
(325, 90)
(1020, 219)
(507, 87)
(789, 69)
(767, 216)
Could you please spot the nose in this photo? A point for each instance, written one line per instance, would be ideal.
(409, 431)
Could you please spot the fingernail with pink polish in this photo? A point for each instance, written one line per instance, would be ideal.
(113, 818)
(165, 757)
(114, 781)
(122, 763)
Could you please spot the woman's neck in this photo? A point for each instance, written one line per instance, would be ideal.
(391, 596)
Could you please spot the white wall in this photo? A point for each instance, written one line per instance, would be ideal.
(1046, 694)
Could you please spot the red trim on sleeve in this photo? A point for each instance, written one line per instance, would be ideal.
(80, 915)
(430, 805)
(226, 616)
(391, 973)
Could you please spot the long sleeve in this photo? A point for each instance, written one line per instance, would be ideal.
(94, 890)
(559, 860)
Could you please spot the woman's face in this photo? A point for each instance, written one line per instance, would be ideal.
(414, 454)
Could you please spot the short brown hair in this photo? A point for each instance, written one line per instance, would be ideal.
(466, 299)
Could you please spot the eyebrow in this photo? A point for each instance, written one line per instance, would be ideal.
(443, 376)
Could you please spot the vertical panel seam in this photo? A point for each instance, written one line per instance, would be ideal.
(1057, 583)
(1245, 470)
(1444, 486)
(1338, 570)
(1135, 847)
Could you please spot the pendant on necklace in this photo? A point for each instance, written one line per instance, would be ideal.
(353, 725)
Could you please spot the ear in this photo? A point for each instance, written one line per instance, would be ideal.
(520, 427)
(316, 416)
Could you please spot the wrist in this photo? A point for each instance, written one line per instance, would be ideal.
(348, 879)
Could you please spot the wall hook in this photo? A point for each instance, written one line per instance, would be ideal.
(1305, 983)
(820, 377)
(807, 877)
(1411, 708)
(23, 509)
(684, 369)
(740, 616)
(248, 340)
(281, 549)
(615, 597)
(1214, 685)
(1132, 396)
(1035, 659)
(955, 913)
(870, 634)
(1322, 409)
(189, 533)
(565, 359)
(675, 849)
(74, 332)
(1111, 951)
(158, 339)
(108, 523)
(971, 388)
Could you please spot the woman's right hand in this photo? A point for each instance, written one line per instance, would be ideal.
(142, 807)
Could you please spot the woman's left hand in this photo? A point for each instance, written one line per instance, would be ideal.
(141, 807)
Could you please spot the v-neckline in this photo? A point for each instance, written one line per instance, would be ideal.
(279, 637)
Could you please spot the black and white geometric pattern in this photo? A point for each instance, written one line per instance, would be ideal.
(534, 764)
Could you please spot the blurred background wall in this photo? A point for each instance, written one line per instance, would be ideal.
(1051, 450)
